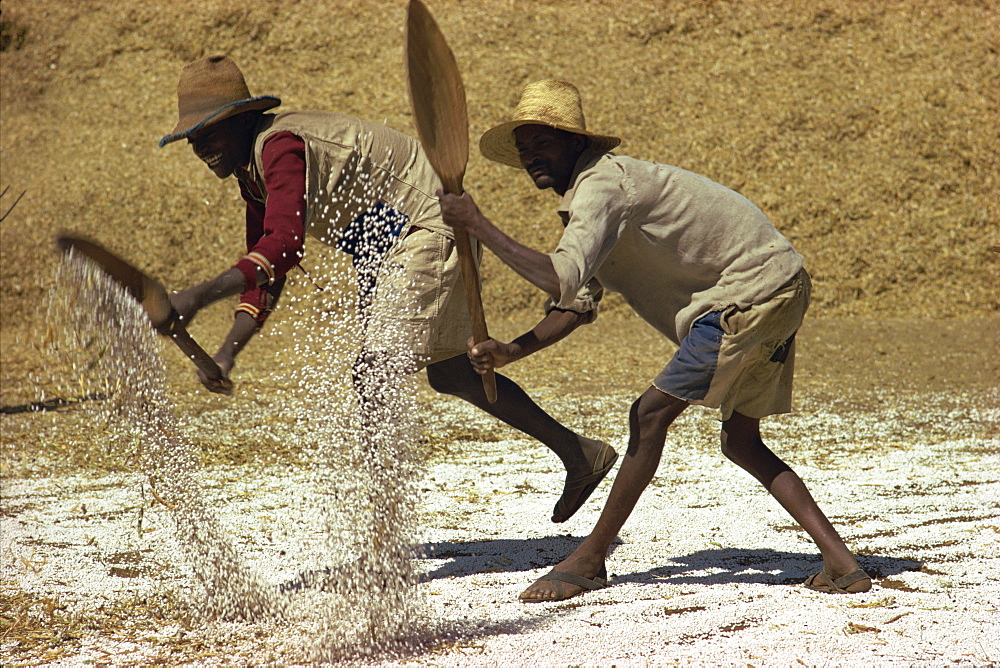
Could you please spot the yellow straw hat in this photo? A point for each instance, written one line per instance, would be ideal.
(547, 102)
(210, 90)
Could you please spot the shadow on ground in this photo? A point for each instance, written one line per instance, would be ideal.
(705, 567)
(503, 555)
(741, 566)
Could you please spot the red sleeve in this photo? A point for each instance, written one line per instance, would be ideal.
(277, 244)
(275, 231)
(254, 214)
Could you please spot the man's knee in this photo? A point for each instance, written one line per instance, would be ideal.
(438, 379)
(656, 409)
(448, 377)
(650, 416)
(734, 446)
(740, 437)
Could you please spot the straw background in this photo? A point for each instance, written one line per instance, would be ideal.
(867, 131)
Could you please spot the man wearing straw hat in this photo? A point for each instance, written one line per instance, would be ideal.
(697, 261)
(370, 191)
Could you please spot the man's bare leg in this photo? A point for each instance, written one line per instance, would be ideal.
(649, 418)
(456, 377)
(742, 444)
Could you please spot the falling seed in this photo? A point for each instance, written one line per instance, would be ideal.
(358, 443)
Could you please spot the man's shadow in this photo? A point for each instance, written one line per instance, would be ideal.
(738, 565)
(501, 555)
(731, 565)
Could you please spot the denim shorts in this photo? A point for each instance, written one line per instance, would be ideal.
(741, 359)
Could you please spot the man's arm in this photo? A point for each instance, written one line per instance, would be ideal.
(275, 237)
(243, 329)
(557, 325)
(245, 324)
(229, 283)
(533, 266)
(188, 302)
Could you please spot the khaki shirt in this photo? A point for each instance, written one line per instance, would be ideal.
(674, 244)
(351, 165)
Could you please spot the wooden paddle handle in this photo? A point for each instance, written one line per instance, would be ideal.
(470, 276)
(217, 382)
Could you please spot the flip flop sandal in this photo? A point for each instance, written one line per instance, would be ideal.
(605, 461)
(823, 582)
(600, 581)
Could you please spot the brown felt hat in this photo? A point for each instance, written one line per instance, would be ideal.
(547, 102)
(210, 90)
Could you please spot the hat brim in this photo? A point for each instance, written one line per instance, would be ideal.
(498, 143)
(185, 126)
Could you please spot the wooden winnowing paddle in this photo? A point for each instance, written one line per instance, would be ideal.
(439, 112)
(155, 302)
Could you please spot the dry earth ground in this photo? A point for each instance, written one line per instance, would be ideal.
(706, 571)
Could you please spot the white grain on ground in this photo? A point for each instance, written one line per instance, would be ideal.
(706, 570)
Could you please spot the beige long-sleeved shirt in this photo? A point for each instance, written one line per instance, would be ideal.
(674, 244)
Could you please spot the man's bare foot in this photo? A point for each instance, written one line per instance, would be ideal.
(600, 457)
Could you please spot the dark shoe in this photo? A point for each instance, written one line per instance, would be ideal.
(584, 486)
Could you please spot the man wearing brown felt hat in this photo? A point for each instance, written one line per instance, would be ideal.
(369, 191)
(696, 260)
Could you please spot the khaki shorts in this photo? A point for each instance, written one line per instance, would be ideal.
(741, 359)
(420, 298)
